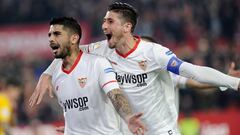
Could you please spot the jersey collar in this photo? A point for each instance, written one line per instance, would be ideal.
(130, 51)
(74, 64)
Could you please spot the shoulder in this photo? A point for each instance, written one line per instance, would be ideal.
(152, 49)
(93, 57)
(148, 46)
(99, 44)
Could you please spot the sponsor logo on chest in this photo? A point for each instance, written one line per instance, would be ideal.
(139, 79)
(80, 103)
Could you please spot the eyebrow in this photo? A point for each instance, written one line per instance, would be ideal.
(54, 33)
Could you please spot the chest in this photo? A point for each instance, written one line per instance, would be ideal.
(81, 82)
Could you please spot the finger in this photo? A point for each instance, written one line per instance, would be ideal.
(138, 115)
(40, 98)
(50, 91)
(33, 99)
(139, 131)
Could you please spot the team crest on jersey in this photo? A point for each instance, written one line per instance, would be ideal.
(143, 64)
(82, 81)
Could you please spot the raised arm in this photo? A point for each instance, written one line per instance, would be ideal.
(168, 60)
(209, 76)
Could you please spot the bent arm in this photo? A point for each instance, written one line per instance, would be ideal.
(120, 103)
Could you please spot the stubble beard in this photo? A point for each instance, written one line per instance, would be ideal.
(63, 53)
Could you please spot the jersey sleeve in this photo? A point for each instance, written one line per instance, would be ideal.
(208, 75)
(52, 67)
(179, 81)
(85, 48)
(98, 48)
(166, 59)
(107, 76)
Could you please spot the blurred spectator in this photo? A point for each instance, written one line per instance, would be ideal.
(9, 96)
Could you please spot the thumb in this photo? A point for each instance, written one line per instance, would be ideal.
(137, 115)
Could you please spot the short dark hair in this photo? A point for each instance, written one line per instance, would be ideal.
(68, 22)
(128, 12)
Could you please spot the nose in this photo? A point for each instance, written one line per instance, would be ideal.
(51, 38)
(104, 26)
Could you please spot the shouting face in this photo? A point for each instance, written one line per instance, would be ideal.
(113, 28)
(59, 41)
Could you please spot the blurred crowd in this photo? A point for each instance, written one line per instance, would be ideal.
(204, 32)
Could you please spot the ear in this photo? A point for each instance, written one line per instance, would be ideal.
(127, 27)
(74, 38)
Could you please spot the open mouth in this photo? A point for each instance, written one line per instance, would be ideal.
(54, 47)
(109, 36)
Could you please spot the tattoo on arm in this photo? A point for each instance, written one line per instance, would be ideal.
(120, 102)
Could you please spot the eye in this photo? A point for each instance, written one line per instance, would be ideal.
(56, 33)
(110, 21)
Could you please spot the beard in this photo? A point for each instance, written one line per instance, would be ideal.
(63, 51)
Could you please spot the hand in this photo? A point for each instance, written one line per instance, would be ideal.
(232, 71)
(44, 84)
(135, 125)
(60, 129)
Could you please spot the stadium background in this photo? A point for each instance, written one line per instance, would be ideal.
(199, 31)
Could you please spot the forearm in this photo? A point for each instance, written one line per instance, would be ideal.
(197, 85)
(120, 103)
(209, 76)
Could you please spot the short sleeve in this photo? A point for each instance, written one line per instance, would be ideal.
(98, 48)
(166, 59)
(52, 67)
(107, 76)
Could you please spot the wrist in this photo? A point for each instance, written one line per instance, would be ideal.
(127, 118)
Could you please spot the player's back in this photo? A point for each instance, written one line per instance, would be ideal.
(87, 110)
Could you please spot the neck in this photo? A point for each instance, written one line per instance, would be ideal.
(69, 60)
(126, 44)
